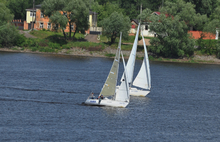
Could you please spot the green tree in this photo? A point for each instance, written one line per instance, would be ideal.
(5, 14)
(145, 15)
(214, 23)
(18, 7)
(63, 12)
(171, 27)
(213, 26)
(204, 6)
(114, 24)
(8, 32)
(106, 10)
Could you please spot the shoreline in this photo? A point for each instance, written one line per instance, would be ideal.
(200, 59)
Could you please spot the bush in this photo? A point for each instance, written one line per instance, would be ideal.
(207, 46)
(30, 42)
(54, 45)
(43, 42)
(66, 46)
(20, 40)
(110, 55)
(8, 35)
(46, 49)
(33, 49)
(218, 49)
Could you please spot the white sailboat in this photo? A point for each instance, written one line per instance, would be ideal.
(108, 95)
(142, 82)
(143, 78)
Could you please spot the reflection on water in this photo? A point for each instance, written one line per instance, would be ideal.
(41, 96)
(113, 111)
(141, 100)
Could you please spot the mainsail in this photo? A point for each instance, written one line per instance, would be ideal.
(131, 60)
(109, 87)
(123, 93)
(143, 79)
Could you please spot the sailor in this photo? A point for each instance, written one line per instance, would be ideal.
(92, 96)
(101, 96)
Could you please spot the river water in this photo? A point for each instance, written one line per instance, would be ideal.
(41, 100)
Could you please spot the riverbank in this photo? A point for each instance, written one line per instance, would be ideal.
(110, 53)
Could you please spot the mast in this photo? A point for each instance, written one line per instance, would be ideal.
(131, 61)
(143, 79)
(33, 16)
(123, 93)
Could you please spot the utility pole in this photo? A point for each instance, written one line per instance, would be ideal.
(141, 8)
(33, 16)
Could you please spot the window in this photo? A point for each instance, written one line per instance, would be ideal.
(72, 27)
(48, 25)
(65, 14)
(146, 27)
(41, 25)
(41, 15)
(32, 14)
(55, 27)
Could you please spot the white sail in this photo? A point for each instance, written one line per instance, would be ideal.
(131, 61)
(123, 93)
(119, 98)
(109, 87)
(143, 79)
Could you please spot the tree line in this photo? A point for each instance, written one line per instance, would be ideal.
(171, 26)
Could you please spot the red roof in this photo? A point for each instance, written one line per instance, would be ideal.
(197, 35)
(133, 26)
(158, 13)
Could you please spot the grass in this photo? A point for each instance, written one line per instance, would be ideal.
(46, 34)
(14, 48)
(110, 55)
(54, 39)
(48, 41)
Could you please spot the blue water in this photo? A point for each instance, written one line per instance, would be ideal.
(41, 100)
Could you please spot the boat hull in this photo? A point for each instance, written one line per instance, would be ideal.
(138, 93)
(106, 102)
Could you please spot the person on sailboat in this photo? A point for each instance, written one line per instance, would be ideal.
(92, 95)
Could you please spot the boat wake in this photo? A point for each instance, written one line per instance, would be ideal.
(41, 90)
(28, 100)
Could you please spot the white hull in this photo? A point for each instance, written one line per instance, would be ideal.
(137, 92)
(106, 102)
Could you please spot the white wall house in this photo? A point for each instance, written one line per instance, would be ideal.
(145, 30)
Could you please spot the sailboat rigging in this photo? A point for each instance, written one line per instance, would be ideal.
(143, 79)
(108, 95)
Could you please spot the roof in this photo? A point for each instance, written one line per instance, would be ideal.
(36, 7)
(158, 13)
(135, 20)
(92, 13)
(197, 35)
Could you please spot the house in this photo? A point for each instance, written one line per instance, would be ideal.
(134, 25)
(197, 35)
(41, 22)
(145, 29)
(93, 24)
(36, 16)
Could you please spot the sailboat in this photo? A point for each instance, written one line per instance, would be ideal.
(143, 78)
(108, 95)
(142, 82)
